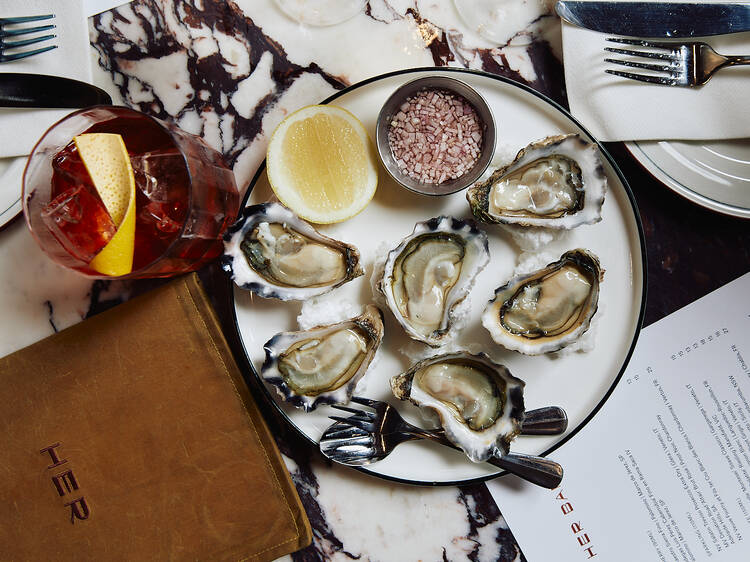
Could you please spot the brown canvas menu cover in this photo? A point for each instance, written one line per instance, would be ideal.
(131, 436)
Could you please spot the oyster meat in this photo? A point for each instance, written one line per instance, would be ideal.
(324, 364)
(479, 403)
(430, 273)
(557, 182)
(548, 309)
(275, 254)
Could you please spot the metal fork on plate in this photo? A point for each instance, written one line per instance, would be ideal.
(13, 34)
(370, 436)
(671, 64)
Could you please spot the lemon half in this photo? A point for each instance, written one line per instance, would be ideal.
(106, 159)
(322, 164)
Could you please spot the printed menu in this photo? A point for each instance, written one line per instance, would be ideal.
(662, 472)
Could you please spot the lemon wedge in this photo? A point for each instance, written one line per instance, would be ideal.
(322, 164)
(106, 159)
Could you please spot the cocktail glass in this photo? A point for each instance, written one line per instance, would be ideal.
(186, 195)
(321, 13)
(502, 22)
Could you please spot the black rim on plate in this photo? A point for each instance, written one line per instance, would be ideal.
(13, 210)
(247, 366)
(680, 188)
(7, 216)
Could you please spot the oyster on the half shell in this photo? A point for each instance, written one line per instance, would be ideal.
(276, 254)
(557, 182)
(548, 309)
(324, 364)
(479, 403)
(430, 273)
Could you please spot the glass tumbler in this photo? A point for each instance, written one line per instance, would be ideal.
(186, 195)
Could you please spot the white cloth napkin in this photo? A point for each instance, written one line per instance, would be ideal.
(22, 127)
(616, 109)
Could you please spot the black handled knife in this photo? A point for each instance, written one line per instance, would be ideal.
(40, 90)
(657, 19)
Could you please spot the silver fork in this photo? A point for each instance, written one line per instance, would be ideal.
(367, 437)
(672, 64)
(5, 34)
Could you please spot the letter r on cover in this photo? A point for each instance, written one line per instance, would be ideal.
(78, 509)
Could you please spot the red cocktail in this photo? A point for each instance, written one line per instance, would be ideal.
(185, 195)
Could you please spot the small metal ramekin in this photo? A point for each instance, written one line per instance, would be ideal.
(459, 88)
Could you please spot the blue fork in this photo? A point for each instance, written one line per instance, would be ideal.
(12, 34)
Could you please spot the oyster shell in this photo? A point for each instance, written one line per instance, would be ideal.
(557, 182)
(430, 273)
(548, 309)
(324, 364)
(479, 403)
(275, 254)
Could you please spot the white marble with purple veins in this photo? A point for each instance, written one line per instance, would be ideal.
(231, 71)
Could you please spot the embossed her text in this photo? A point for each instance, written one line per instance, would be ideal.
(66, 484)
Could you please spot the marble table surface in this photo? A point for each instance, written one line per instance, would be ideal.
(230, 71)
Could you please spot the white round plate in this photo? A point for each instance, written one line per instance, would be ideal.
(579, 382)
(11, 174)
(713, 174)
